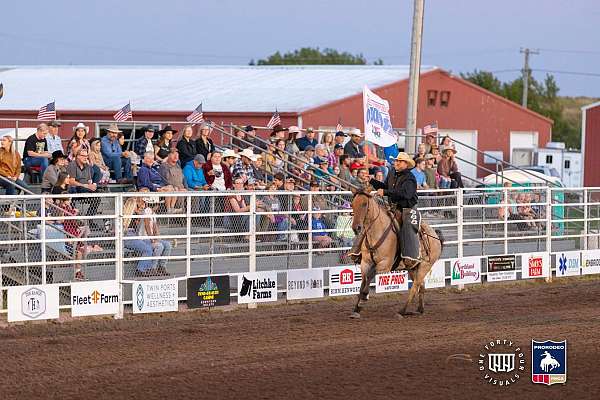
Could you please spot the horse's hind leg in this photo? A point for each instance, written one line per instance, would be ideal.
(420, 280)
(421, 307)
(411, 293)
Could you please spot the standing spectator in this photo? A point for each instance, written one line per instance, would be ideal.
(35, 153)
(145, 144)
(204, 144)
(307, 140)
(419, 172)
(53, 139)
(58, 164)
(259, 145)
(320, 239)
(345, 174)
(112, 152)
(186, 146)
(10, 166)
(278, 133)
(217, 174)
(430, 171)
(172, 173)
(243, 166)
(340, 137)
(163, 146)
(100, 169)
(353, 148)
(429, 141)
(194, 175)
(78, 140)
(239, 141)
(448, 170)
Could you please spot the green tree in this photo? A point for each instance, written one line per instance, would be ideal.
(309, 55)
(542, 98)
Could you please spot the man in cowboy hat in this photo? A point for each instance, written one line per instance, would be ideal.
(400, 187)
(353, 148)
(112, 155)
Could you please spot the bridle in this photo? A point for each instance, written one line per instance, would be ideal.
(385, 234)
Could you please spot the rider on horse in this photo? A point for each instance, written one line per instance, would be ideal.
(401, 189)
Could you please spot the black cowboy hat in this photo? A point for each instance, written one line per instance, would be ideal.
(56, 155)
(278, 128)
(167, 128)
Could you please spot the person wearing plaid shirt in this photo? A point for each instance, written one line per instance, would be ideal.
(243, 166)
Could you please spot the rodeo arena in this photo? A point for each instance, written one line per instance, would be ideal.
(179, 231)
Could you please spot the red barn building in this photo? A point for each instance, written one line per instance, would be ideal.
(590, 144)
(306, 96)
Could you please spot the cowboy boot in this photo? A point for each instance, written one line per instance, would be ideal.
(355, 252)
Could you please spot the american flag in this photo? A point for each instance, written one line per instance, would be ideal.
(196, 116)
(339, 126)
(47, 112)
(124, 113)
(275, 120)
(431, 129)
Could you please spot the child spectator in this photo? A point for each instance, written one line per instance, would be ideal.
(320, 239)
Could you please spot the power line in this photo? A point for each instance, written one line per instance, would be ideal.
(567, 72)
(571, 51)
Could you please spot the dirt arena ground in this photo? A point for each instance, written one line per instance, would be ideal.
(311, 350)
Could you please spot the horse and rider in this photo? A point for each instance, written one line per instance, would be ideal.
(393, 238)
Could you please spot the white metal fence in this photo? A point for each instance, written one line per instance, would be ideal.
(115, 237)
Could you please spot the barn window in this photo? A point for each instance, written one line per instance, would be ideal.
(567, 164)
(548, 159)
(444, 98)
(432, 98)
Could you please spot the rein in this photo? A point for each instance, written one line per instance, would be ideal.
(385, 234)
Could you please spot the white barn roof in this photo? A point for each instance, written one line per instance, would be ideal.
(178, 88)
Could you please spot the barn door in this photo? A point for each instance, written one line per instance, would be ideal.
(522, 140)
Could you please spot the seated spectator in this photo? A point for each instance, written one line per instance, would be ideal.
(309, 155)
(445, 143)
(260, 175)
(345, 175)
(149, 227)
(340, 138)
(379, 176)
(35, 153)
(430, 171)
(239, 141)
(204, 144)
(81, 171)
(429, 141)
(144, 144)
(372, 160)
(53, 139)
(289, 184)
(294, 134)
(278, 181)
(229, 158)
(78, 140)
(421, 151)
(362, 177)
(58, 164)
(131, 227)
(164, 144)
(112, 154)
(274, 221)
(186, 146)
(100, 169)
(419, 173)
(217, 174)
(322, 172)
(448, 170)
(151, 179)
(525, 210)
(172, 173)
(259, 145)
(10, 167)
(194, 175)
(320, 239)
(328, 139)
(353, 148)
(278, 133)
(435, 152)
(334, 158)
(298, 221)
(244, 167)
(62, 184)
(237, 204)
(343, 227)
(308, 140)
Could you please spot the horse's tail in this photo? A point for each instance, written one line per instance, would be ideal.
(440, 237)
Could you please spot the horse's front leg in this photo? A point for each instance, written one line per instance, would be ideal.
(367, 273)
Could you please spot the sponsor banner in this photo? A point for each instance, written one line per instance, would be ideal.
(391, 282)
(304, 283)
(501, 268)
(436, 277)
(154, 296)
(208, 291)
(257, 287)
(344, 281)
(465, 270)
(535, 265)
(590, 262)
(94, 298)
(567, 263)
(378, 125)
(32, 303)
(548, 362)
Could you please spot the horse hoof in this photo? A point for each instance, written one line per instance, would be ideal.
(355, 315)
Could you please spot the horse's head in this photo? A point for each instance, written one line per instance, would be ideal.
(360, 208)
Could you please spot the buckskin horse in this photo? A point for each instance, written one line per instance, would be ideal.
(381, 245)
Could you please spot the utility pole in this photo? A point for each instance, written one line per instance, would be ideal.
(415, 71)
(526, 73)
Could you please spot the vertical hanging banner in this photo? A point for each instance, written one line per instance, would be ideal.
(378, 125)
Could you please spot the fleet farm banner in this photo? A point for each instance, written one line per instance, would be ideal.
(378, 125)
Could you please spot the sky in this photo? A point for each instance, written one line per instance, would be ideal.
(459, 35)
